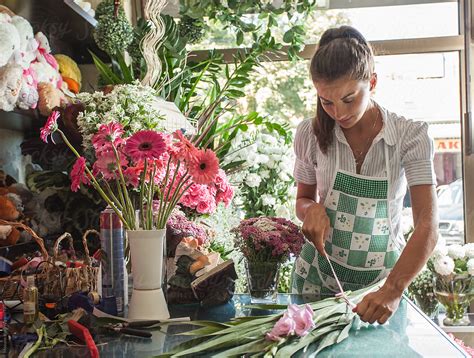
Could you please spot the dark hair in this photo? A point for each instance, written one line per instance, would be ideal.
(342, 51)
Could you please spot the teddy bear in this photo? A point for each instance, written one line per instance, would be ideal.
(45, 64)
(10, 85)
(9, 41)
(70, 72)
(28, 97)
(49, 98)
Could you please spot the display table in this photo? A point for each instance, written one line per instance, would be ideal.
(409, 333)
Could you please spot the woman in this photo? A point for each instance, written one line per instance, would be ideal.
(353, 162)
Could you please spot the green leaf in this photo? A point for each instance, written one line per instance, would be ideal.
(328, 340)
(239, 38)
(251, 347)
(105, 70)
(288, 36)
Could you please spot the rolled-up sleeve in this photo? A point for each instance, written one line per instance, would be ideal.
(417, 152)
(304, 144)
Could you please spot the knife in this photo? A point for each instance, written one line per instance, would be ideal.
(341, 294)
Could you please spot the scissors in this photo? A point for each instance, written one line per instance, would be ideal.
(341, 294)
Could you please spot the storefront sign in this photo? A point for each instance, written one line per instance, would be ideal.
(448, 145)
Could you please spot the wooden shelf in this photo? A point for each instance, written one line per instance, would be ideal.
(20, 120)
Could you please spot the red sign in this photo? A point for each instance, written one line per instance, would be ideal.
(448, 145)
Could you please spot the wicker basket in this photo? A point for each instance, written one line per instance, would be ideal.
(60, 282)
(11, 287)
(52, 280)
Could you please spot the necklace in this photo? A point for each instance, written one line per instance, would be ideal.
(359, 155)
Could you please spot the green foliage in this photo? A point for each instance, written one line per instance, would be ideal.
(234, 14)
(113, 34)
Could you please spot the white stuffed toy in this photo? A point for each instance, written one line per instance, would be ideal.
(28, 44)
(10, 84)
(9, 42)
(28, 97)
(45, 65)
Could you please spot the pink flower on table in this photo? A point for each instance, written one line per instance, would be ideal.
(303, 317)
(108, 134)
(145, 144)
(50, 127)
(78, 174)
(284, 327)
(106, 165)
(204, 166)
(296, 320)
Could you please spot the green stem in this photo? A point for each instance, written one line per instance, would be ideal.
(128, 207)
(142, 190)
(162, 197)
(95, 184)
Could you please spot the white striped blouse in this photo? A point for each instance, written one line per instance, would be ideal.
(411, 152)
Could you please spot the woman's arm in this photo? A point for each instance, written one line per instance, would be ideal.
(313, 215)
(380, 305)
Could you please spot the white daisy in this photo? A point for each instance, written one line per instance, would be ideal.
(444, 265)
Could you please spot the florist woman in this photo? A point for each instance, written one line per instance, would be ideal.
(353, 162)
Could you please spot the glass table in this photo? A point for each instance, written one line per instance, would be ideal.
(409, 333)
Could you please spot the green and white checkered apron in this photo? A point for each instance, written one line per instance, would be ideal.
(360, 243)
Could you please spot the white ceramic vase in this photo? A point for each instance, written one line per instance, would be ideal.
(147, 250)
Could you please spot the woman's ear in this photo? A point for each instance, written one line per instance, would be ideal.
(373, 81)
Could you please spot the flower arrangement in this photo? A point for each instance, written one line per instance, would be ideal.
(133, 106)
(453, 268)
(147, 172)
(267, 239)
(266, 184)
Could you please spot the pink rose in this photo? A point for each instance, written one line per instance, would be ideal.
(303, 318)
(285, 326)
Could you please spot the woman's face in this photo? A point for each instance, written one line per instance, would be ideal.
(345, 99)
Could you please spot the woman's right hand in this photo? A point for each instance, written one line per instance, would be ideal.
(316, 226)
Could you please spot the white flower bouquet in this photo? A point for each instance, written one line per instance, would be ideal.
(266, 184)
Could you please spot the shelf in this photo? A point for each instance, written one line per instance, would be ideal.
(457, 329)
(81, 12)
(20, 120)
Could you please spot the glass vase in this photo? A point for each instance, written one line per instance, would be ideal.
(453, 292)
(262, 280)
(428, 304)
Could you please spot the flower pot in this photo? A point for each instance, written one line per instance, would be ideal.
(453, 292)
(147, 248)
(262, 280)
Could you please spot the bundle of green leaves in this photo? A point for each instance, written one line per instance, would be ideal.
(248, 335)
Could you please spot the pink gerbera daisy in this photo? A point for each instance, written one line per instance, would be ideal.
(182, 149)
(78, 174)
(50, 127)
(204, 166)
(108, 134)
(106, 164)
(145, 145)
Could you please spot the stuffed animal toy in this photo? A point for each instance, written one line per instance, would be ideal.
(6, 10)
(10, 85)
(45, 65)
(70, 72)
(28, 44)
(9, 212)
(49, 98)
(9, 42)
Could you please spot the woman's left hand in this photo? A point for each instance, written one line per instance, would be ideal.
(378, 306)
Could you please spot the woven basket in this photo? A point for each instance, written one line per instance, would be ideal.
(11, 287)
(51, 280)
(65, 281)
